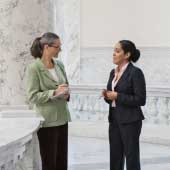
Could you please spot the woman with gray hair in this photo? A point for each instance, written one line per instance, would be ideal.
(48, 89)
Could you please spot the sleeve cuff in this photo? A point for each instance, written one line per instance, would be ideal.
(51, 94)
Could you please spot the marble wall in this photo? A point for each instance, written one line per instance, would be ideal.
(21, 22)
(96, 63)
(105, 22)
(67, 25)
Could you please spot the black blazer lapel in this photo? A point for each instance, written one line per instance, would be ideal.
(109, 84)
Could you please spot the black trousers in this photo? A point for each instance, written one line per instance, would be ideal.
(124, 143)
(53, 143)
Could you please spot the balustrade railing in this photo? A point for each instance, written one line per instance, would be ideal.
(86, 104)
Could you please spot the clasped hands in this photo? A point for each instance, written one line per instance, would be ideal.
(62, 90)
(109, 95)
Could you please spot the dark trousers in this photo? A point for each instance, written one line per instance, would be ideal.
(53, 143)
(124, 143)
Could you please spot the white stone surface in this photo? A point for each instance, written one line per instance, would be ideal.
(19, 113)
(21, 22)
(93, 154)
(96, 64)
(105, 22)
(16, 140)
(151, 133)
(13, 107)
(67, 26)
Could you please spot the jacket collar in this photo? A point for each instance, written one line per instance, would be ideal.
(43, 69)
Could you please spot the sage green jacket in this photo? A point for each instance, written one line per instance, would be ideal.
(40, 87)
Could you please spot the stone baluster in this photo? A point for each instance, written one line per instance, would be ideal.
(80, 103)
(94, 113)
(72, 106)
(91, 103)
(87, 106)
(100, 110)
(72, 102)
(77, 105)
(163, 111)
(85, 102)
(97, 106)
(11, 165)
(105, 111)
(169, 110)
(152, 110)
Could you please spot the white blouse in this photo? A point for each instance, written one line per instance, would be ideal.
(53, 73)
(118, 74)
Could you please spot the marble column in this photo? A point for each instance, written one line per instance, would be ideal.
(21, 22)
(67, 26)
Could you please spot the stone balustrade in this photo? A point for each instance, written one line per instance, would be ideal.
(86, 104)
(19, 148)
(90, 114)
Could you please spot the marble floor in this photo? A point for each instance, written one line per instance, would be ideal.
(93, 154)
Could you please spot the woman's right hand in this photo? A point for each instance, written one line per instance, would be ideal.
(62, 89)
(104, 93)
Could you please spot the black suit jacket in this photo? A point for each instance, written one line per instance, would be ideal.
(131, 90)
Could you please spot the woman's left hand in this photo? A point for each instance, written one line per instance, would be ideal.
(111, 95)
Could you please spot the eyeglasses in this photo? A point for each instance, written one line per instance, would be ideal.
(54, 46)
